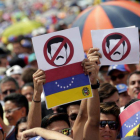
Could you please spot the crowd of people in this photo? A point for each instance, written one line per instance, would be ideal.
(23, 112)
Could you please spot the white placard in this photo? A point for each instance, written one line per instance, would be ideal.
(117, 46)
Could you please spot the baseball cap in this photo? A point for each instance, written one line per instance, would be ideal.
(26, 43)
(121, 88)
(31, 58)
(14, 70)
(122, 68)
(131, 138)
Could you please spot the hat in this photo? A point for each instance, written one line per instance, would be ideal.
(121, 88)
(14, 70)
(117, 67)
(131, 138)
(31, 58)
(26, 43)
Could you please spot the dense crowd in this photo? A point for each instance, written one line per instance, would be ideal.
(23, 112)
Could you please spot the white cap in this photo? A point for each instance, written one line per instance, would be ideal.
(14, 70)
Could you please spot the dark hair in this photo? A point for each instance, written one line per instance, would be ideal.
(47, 120)
(22, 120)
(27, 75)
(135, 72)
(9, 79)
(1, 111)
(30, 84)
(17, 61)
(115, 36)
(64, 107)
(130, 102)
(106, 90)
(55, 40)
(18, 99)
(110, 108)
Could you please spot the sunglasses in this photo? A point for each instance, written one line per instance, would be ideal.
(120, 76)
(113, 125)
(73, 116)
(10, 90)
(65, 131)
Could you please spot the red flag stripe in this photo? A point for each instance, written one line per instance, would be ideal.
(63, 72)
(129, 112)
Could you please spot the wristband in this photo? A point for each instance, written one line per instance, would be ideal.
(36, 101)
(96, 85)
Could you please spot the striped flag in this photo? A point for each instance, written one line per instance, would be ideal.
(130, 119)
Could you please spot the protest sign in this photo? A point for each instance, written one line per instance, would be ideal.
(60, 55)
(130, 119)
(117, 46)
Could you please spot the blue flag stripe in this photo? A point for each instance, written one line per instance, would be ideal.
(130, 124)
(66, 84)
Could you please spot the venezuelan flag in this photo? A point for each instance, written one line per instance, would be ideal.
(130, 119)
(66, 84)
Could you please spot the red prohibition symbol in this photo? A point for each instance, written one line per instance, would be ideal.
(123, 38)
(64, 41)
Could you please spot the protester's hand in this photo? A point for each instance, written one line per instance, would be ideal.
(91, 68)
(93, 55)
(39, 79)
(27, 134)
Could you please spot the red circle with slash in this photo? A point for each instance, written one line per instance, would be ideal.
(124, 38)
(65, 40)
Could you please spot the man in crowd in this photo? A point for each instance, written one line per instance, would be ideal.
(109, 121)
(15, 72)
(124, 98)
(8, 85)
(118, 74)
(16, 107)
(109, 93)
(134, 84)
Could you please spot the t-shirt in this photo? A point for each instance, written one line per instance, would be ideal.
(11, 134)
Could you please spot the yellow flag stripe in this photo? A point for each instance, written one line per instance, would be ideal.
(67, 96)
(130, 133)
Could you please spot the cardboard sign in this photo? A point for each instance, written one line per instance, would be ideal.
(117, 46)
(60, 55)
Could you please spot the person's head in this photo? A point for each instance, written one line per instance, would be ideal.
(111, 42)
(16, 107)
(57, 122)
(8, 85)
(21, 44)
(109, 121)
(21, 126)
(32, 61)
(103, 77)
(124, 98)
(27, 75)
(53, 46)
(109, 93)
(72, 110)
(15, 72)
(3, 61)
(28, 90)
(134, 84)
(118, 74)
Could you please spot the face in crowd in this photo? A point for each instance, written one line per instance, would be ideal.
(118, 77)
(7, 88)
(72, 112)
(134, 85)
(13, 113)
